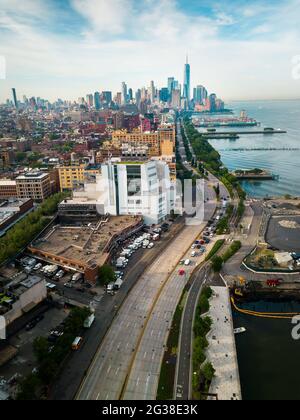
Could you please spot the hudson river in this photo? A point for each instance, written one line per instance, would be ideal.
(268, 356)
(277, 114)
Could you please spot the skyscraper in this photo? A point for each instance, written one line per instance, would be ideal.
(97, 100)
(187, 81)
(164, 95)
(138, 97)
(107, 97)
(124, 94)
(152, 92)
(90, 100)
(171, 81)
(15, 97)
(176, 98)
(200, 94)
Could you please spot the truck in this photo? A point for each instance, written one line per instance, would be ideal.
(89, 321)
(76, 277)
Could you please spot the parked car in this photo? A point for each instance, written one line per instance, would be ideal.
(59, 274)
(38, 267)
(30, 325)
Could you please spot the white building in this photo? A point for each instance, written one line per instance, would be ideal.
(138, 189)
(131, 188)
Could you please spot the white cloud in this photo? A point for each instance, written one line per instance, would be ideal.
(107, 16)
(120, 42)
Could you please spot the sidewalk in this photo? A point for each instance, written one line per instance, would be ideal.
(222, 350)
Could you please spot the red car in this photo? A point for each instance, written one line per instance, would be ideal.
(181, 272)
(273, 282)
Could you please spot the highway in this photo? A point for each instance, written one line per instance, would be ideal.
(120, 352)
(183, 372)
(76, 367)
(127, 364)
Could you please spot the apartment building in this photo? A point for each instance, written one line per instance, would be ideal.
(73, 176)
(8, 189)
(35, 185)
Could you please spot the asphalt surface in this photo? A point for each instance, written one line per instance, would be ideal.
(124, 344)
(183, 373)
(282, 237)
(76, 367)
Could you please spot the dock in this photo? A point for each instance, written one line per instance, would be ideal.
(222, 349)
(254, 175)
(236, 134)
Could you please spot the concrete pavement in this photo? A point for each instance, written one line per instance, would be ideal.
(221, 351)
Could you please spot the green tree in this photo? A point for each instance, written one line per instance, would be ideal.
(41, 348)
(217, 263)
(208, 371)
(106, 274)
(27, 389)
(20, 156)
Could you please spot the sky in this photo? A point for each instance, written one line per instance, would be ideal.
(238, 49)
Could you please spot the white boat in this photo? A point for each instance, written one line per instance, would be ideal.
(239, 330)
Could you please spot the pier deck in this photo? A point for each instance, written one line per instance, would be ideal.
(222, 349)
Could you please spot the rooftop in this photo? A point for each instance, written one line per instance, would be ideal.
(33, 175)
(85, 244)
(7, 182)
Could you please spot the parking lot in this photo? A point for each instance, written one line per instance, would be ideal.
(24, 362)
(283, 233)
(132, 249)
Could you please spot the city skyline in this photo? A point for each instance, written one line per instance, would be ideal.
(241, 51)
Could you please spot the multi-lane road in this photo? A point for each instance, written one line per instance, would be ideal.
(127, 364)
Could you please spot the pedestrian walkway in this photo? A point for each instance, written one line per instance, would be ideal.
(222, 350)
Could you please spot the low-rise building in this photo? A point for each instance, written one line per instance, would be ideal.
(35, 185)
(8, 189)
(19, 298)
(83, 249)
(12, 210)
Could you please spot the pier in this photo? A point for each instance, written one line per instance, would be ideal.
(222, 349)
(260, 149)
(254, 174)
(235, 134)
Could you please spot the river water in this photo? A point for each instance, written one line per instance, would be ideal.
(277, 114)
(268, 356)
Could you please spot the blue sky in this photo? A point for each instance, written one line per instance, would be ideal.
(239, 49)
